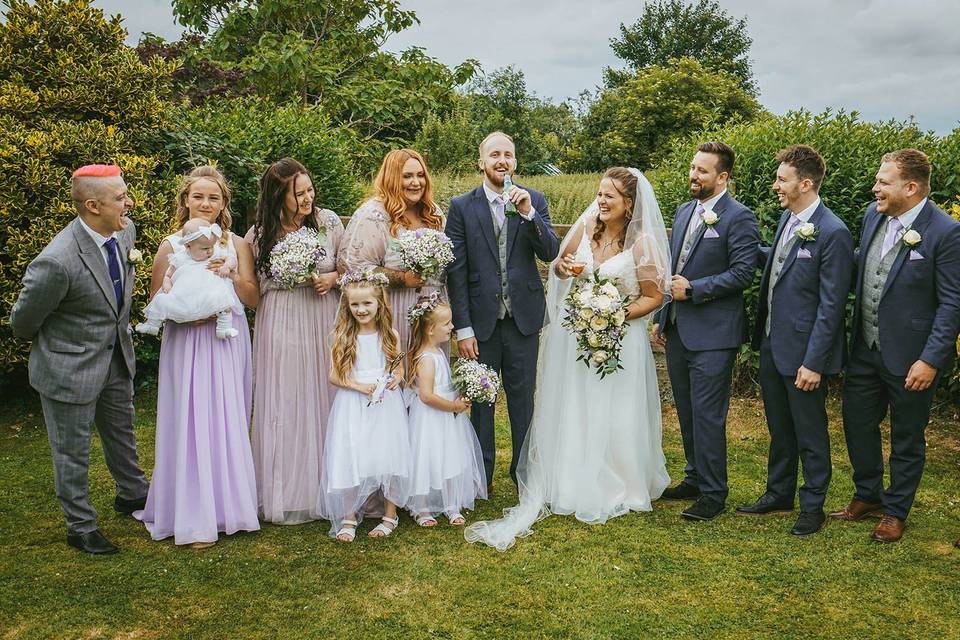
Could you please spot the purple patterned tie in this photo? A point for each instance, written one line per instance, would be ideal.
(695, 222)
(498, 214)
(893, 229)
(791, 227)
(114, 267)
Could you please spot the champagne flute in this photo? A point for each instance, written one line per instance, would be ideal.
(576, 268)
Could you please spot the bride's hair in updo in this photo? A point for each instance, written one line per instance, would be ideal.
(626, 185)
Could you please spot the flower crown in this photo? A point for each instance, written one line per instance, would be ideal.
(424, 305)
(363, 275)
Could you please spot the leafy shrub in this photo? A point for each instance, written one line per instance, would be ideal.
(71, 93)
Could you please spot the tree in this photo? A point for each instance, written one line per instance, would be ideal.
(675, 29)
(634, 124)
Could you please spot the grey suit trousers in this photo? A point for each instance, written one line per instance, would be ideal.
(69, 427)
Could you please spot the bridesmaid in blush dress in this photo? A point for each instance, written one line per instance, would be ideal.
(292, 393)
(203, 481)
(403, 200)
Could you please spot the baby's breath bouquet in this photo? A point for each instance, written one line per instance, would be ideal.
(596, 315)
(294, 258)
(475, 381)
(427, 251)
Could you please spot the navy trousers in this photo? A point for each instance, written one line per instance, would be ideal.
(797, 421)
(701, 391)
(514, 356)
(868, 390)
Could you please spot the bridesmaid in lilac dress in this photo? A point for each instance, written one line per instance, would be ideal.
(292, 394)
(403, 200)
(203, 481)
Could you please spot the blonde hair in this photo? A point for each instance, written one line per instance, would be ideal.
(211, 173)
(345, 330)
(913, 165)
(490, 136)
(419, 328)
(388, 188)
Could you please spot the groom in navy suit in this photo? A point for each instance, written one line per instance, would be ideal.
(907, 316)
(714, 247)
(495, 288)
(800, 335)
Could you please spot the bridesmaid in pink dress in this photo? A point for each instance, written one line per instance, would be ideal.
(403, 200)
(292, 394)
(203, 481)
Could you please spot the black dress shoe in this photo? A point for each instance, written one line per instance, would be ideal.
(703, 509)
(809, 523)
(127, 507)
(92, 542)
(767, 503)
(683, 491)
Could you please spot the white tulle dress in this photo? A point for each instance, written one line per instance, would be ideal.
(594, 447)
(447, 460)
(197, 292)
(367, 451)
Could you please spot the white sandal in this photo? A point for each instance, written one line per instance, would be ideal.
(456, 516)
(347, 528)
(424, 520)
(383, 529)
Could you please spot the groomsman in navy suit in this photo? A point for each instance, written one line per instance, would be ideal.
(714, 247)
(800, 335)
(907, 316)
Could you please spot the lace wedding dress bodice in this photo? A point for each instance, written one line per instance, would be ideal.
(620, 268)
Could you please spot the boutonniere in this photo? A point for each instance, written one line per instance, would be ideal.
(710, 218)
(911, 238)
(807, 232)
(134, 256)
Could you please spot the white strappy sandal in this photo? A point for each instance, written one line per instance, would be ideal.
(426, 520)
(382, 530)
(453, 517)
(348, 529)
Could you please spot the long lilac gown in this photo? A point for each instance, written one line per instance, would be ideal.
(203, 481)
(292, 393)
(367, 243)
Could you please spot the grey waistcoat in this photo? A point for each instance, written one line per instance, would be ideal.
(875, 272)
(779, 259)
(502, 248)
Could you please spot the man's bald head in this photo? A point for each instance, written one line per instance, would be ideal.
(92, 182)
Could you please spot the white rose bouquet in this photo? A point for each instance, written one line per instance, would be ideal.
(596, 315)
(475, 381)
(426, 251)
(294, 259)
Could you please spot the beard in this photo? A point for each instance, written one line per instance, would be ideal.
(493, 176)
(702, 191)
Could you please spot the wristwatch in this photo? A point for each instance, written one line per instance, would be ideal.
(688, 292)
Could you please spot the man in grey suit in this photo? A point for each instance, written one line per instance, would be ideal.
(75, 307)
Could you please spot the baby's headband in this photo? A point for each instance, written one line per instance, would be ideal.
(204, 232)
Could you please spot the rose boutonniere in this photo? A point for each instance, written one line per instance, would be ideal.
(134, 256)
(710, 218)
(807, 232)
(911, 238)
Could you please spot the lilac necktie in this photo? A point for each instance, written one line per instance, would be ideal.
(498, 214)
(695, 222)
(114, 267)
(893, 229)
(791, 227)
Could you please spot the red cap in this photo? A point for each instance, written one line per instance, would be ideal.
(97, 171)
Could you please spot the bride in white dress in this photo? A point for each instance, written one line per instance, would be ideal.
(594, 446)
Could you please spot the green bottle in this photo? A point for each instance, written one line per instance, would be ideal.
(509, 209)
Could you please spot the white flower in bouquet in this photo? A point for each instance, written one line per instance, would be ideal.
(427, 251)
(294, 258)
(600, 357)
(593, 340)
(586, 313)
(599, 323)
(597, 320)
(602, 302)
(619, 318)
(475, 381)
(610, 290)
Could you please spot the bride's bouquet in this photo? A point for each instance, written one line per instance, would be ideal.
(475, 381)
(596, 316)
(294, 258)
(426, 251)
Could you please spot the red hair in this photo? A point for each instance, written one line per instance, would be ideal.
(388, 187)
(97, 171)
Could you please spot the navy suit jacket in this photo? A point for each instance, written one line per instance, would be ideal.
(809, 299)
(473, 280)
(719, 269)
(919, 314)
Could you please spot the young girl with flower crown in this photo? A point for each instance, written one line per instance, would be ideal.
(447, 471)
(367, 450)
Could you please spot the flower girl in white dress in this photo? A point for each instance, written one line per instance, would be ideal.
(447, 460)
(367, 451)
(190, 290)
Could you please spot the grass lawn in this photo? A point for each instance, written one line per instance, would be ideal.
(648, 575)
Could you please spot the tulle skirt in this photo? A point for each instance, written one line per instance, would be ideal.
(594, 447)
(367, 454)
(447, 473)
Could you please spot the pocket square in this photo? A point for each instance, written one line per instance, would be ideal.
(916, 255)
(711, 233)
(803, 254)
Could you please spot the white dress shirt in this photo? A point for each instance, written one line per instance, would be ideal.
(908, 217)
(707, 205)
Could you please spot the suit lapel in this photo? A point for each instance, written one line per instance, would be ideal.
(919, 224)
(718, 208)
(93, 259)
(512, 227)
(481, 208)
(129, 272)
(768, 269)
(793, 250)
(680, 232)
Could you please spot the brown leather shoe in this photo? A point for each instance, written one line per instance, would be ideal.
(890, 529)
(858, 510)
(957, 543)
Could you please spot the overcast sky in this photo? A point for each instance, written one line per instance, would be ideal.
(883, 58)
